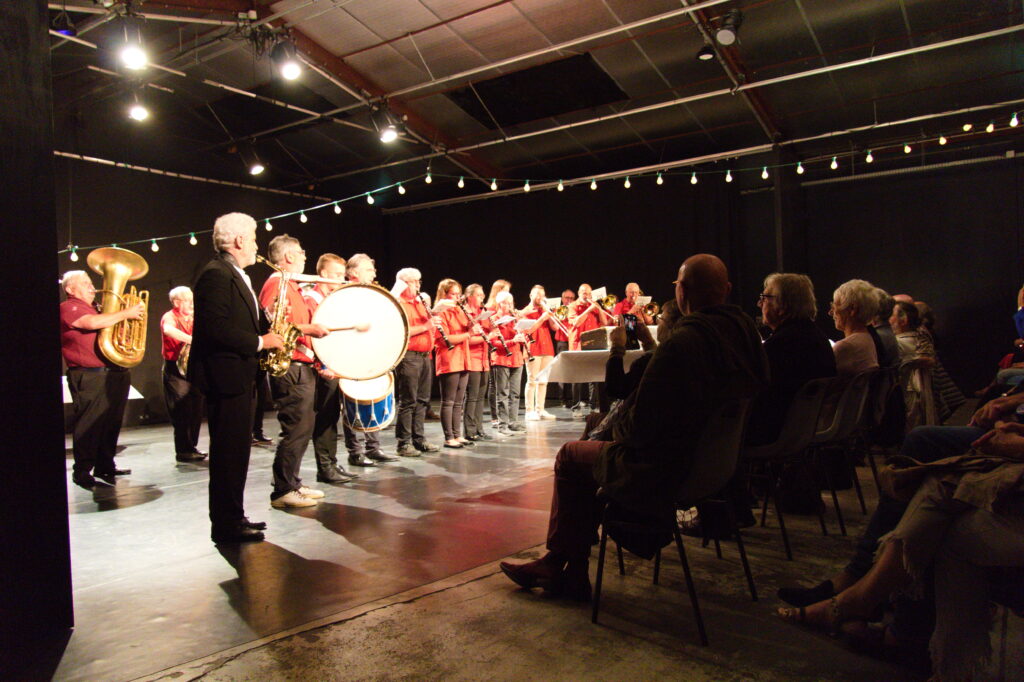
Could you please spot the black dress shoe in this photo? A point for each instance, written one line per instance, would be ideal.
(107, 477)
(484, 436)
(381, 457)
(260, 439)
(240, 533)
(255, 525)
(122, 472)
(360, 461)
(84, 480)
(332, 475)
(200, 454)
(189, 457)
(805, 596)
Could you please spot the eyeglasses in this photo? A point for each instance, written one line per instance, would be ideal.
(761, 298)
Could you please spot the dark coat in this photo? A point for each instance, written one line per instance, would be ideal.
(713, 356)
(226, 334)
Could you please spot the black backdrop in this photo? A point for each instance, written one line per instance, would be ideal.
(950, 237)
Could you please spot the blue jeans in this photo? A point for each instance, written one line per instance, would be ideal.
(925, 444)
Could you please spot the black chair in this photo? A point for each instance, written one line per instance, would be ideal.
(714, 462)
(796, 434)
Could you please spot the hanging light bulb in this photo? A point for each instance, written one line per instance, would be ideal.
(401, 190)
(74, 254)
(285, 57)
(1013, 120)
(764, 173)
(526, 186)
(967, 127)
(627, 184)
(942, 139)
(660, 180)
(593, 183)
(268, 226)
(462, 183)
(133, 57)
(728, 175)
(154, 246)
(369, 199)
(561, 187)
(302, 217)
(192, 238)
(907, 149)
(494, 184)
(834, 164)
(337, 208)
(138, 112)
(870, 157)
(799, 167)
(693, 178)
(428, 179)
(990, 127)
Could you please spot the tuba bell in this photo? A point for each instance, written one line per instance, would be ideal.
(125, 342)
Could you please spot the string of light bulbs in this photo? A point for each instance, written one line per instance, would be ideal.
(695, 176)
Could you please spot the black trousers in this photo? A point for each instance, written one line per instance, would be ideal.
(230, 424)
(294, 392)
(413, 378)
(453, 397)
(564, 390)
(99, 399)
(327, 406)
(473, 418)
(185, 405)
(263, 402)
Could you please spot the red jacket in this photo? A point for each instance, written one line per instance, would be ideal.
(447, 361)
(541, 336)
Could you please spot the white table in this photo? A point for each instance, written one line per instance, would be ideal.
(582, 366)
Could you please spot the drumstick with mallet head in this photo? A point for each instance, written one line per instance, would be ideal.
(359, 327)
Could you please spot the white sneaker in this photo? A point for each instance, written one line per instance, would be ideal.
(577, 413)
(532, 416)
(311, 493)
(544, 414)
(292, 499)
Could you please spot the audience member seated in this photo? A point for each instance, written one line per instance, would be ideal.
(948, 396)
(620, 384)
(1011, 366)
(960, 522)
(854, 305)
(889, 358)
(714, 356)
(917, 358)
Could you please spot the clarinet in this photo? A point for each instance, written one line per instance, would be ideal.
(501, 337)
(437, 325)
(461, 302)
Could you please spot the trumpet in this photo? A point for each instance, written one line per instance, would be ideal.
(125, 342)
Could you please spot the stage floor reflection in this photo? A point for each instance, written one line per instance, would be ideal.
(151, 590)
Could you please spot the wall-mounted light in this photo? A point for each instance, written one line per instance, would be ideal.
(729, 30)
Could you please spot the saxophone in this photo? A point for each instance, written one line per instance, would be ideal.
(275, 361)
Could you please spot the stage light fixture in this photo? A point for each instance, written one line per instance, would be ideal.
(138, 112)
(63, 25)
(285, 58)
(133, 57)
(729, 31)
(706, 53)
(252, 162)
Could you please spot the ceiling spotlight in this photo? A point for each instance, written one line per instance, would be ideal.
(252, 162)
(133, 57)
(284, 56)
(138, 112)
(63, 25)
(389, 133)
(256, 168)
(706, 53)
(730, 28)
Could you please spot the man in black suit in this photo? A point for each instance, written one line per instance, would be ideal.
(223, 364)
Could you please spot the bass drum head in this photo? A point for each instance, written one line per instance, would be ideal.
(369, 390)
(361, 355)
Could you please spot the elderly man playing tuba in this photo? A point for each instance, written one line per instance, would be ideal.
(99, 388)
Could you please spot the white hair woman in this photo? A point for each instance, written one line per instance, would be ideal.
(854, 306)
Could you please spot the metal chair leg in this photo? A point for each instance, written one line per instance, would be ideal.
(622, 565)
(600, 573)
(690, 586)
(743, 552)
(835, 498)
(856, 484)
(782, 522)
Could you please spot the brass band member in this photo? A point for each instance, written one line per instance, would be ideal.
(562, 344)
(585, 315)
(185, 403)
(99, 388)
(630, 306)
(542, 352)
(295, 390)
(451, 361)
(497, 287)
(479, 368)
(507, 366)
(414, 376)
(363, 446)
(327, 400)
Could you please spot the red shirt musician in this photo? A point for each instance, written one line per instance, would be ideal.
(541, 352)
(584, 315)
(479, 365)
(185, 403)
(452, 359)
(629, 305)
(414, 375)
(506, 363)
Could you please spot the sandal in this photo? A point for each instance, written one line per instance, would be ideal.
(835, 622)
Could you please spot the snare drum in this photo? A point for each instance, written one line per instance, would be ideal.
(373, 331)
(368, 405)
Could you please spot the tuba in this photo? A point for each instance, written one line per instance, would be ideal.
(125, 342)
(275, 361)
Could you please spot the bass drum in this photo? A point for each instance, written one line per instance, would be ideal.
(368, 405)
(372, 331)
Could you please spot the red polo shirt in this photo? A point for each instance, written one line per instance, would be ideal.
(456, 360)
(299, 312)
(416, 310)
(172, 347)
(478, 352)
(541, 344)
(499, 359)
(79, 346)
(592, 320)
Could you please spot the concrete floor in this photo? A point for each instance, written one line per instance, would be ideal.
(395, 577)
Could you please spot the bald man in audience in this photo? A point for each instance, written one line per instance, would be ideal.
(713, 357)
